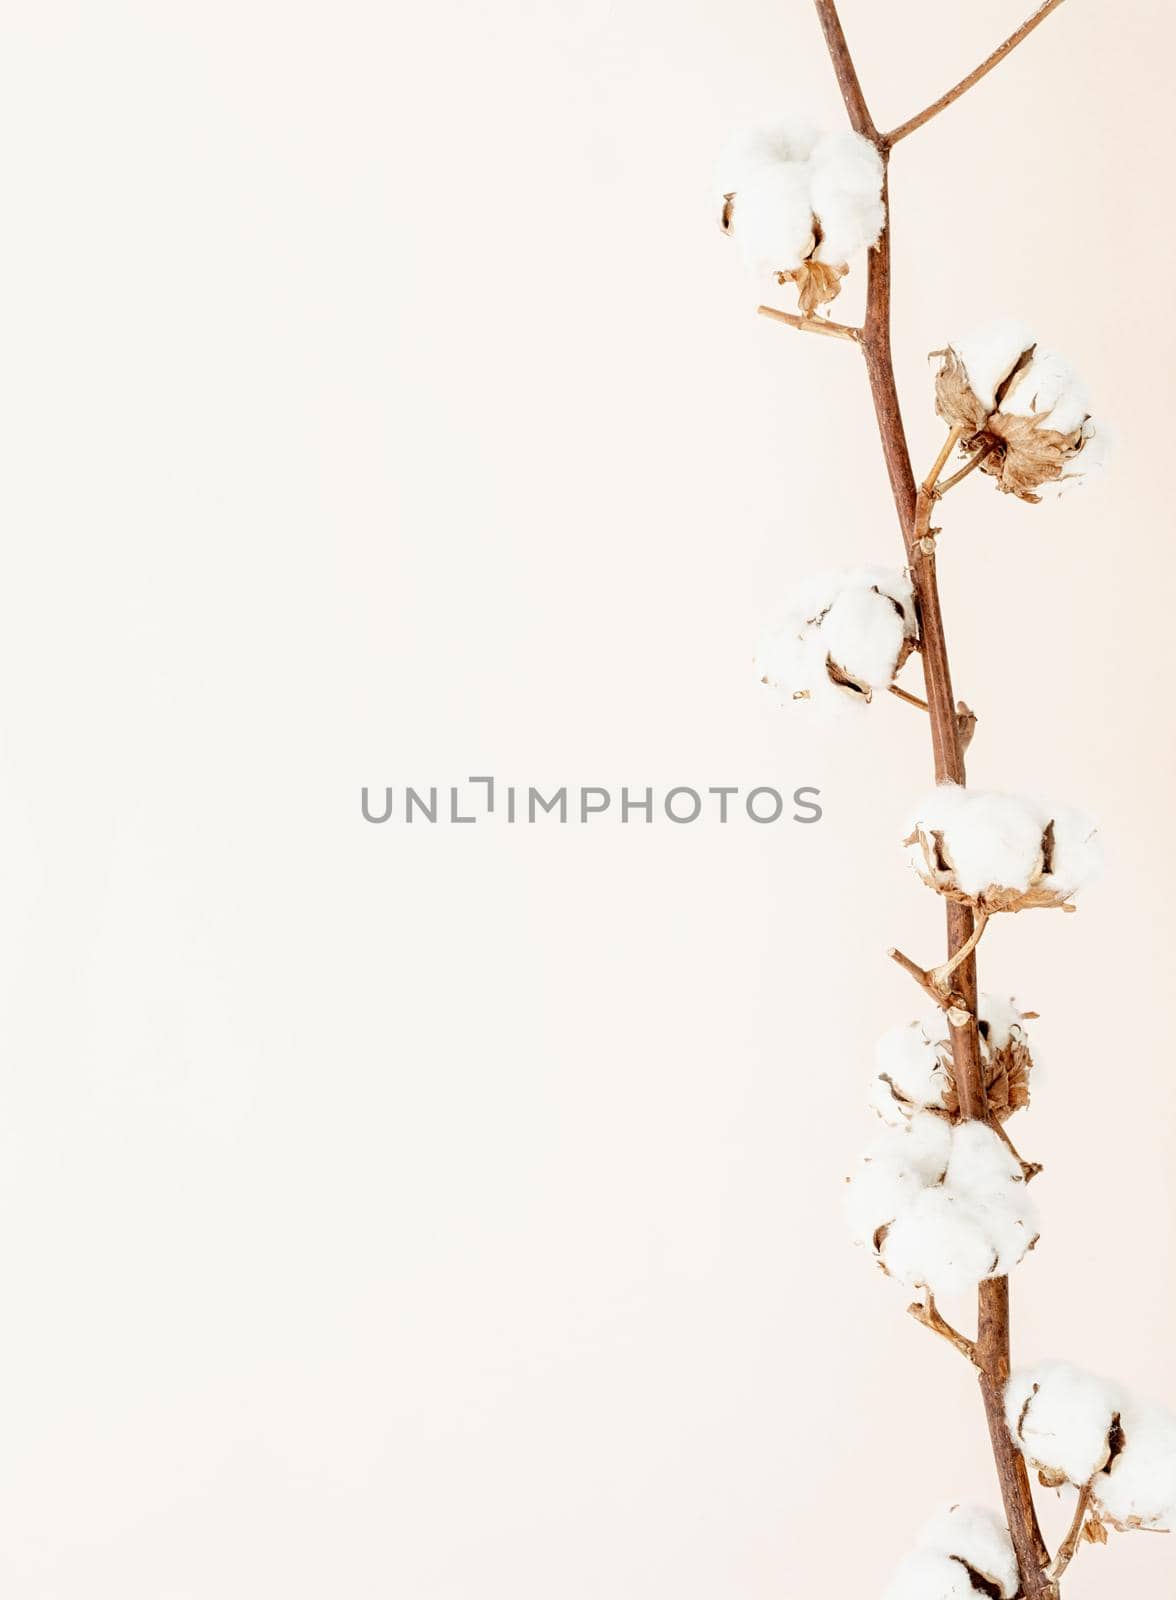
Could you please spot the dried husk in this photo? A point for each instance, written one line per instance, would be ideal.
(817, 283)
(954, 399)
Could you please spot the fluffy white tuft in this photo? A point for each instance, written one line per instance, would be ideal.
(1062, 1419)
(911, 1059)
(1077, 851)
(860, 619)
(1048, 388)
(989, 354)
(979, 1538)
(941, 1207)
(930, 1575)
(1139, 1489)
(786, 176)
(913, 1063)
(846, 188)
(990, 839)
(1001, 1021)
(999, 841)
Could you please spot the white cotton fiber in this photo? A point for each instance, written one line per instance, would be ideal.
(911, 1059)
(989, 839)
(995, 839)
(1001, 1021)
(1139, 1490)
(772, 222)
(929, 1575)
(860, 619)
(764, 147)
(913, 1063)
(1061, 1419)
(863, 632)
(989, 354)
(1050, 389)
(981, 1162)
(798, 194)
(978, 1537)
(899, 1164)
(1077, 851)
(846, 190)
(939, 1242)
(942, 1207)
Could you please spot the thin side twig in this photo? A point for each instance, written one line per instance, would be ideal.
(961, 88)
(923, 978)
(958, 477)
(939, 975)
(835, 330)
(1070, 1543)
(932, 479)
(1029, 1169)
(928, 1315)
(910, 699)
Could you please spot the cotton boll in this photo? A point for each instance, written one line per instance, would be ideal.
(942, 1207)
(980, 1162)
(1076, 857)
(843, 635)
(980, 1539)
(1063, 1420)
(984, 1174)
(938, 1242)
(989, 354)
(863, 634)
(915, 1070)
(935, 813)
(1001, 1021)
(929, 1575)
(846, 195)
(995, 840)
(1010, 1222)
(896, 1168)
(772, 221)
(766, 169)
(1139, 1490)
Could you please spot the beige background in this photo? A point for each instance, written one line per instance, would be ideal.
(454, 1215)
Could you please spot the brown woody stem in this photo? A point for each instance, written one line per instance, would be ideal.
(993, 1334)
(994, 60)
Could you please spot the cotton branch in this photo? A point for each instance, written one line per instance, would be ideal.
(961, 88)
(948, 730)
